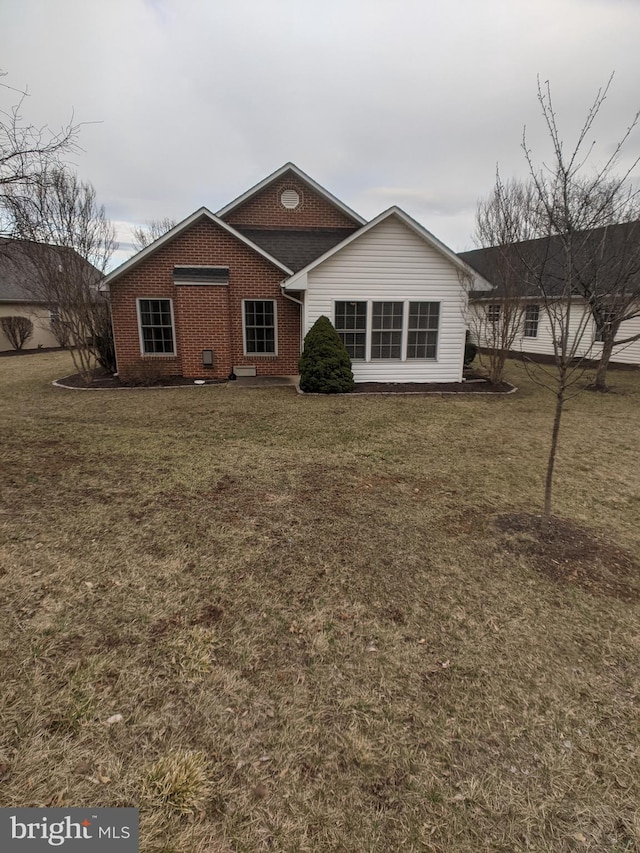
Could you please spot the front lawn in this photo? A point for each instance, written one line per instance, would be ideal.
(289, 623)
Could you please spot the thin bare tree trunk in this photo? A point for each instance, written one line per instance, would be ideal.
(548, 486)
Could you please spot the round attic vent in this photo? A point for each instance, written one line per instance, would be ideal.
(290, 199)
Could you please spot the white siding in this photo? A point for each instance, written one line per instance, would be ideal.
(629, 353)
(543, 343)
(391, 262)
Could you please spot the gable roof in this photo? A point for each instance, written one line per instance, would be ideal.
(22, 262)
(609, 255)
(201, 213)
(298, 281)
(279, 173)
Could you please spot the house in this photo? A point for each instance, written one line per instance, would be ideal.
(19, 296)
(234, 293)
(607, 259)
(42, 281)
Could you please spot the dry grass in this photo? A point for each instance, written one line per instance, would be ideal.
(301, 608)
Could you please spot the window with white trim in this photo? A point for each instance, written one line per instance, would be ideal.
(155, 318)
(386, 329)
(493, 313)
(259, 327)
(422, 332)
(373, 331)
(531, 320)
(351, 324)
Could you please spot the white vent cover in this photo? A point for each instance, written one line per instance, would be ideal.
(290, 199)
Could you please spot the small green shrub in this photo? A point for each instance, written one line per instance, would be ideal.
(325, 366)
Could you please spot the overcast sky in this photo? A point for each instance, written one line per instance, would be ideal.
(408, 102)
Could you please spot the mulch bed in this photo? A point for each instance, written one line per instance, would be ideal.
(482, 386)
(569, 553)
(103, 379)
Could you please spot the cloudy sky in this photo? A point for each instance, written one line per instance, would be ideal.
(409, 102)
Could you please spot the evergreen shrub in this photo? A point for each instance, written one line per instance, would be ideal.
(325, 366)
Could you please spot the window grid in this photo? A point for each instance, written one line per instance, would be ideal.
(351, 325)
(493, 313)
(260, 327)
(156, 326)
(422, 332)
(386, 330)
(531, 319)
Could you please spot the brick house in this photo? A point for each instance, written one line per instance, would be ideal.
(234, 293)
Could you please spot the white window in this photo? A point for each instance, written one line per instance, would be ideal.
(388, 330)
(259, 327)
(155, 321)
(493, 313)
(531, 320)
(351, 324)
(424, 319)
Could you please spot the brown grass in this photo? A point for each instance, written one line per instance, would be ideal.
(302, 609)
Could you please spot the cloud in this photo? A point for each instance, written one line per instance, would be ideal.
(194, 102)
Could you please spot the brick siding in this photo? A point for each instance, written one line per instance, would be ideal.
(210, 316)
(265, 209)
(205, 316)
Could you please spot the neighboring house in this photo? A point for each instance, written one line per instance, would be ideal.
(234, 293)
(610, 257)
(19, 296)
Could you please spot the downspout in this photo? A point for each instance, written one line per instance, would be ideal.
(231, 336)
(297, 302)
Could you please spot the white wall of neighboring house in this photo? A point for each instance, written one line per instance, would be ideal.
(39, 316)
(542, 344)
(390, 262)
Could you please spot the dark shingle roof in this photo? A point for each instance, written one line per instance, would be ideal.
(19, 264)
(609, 256)
(296, 248)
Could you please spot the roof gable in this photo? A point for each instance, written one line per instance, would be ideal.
(298, 281)
(290, 172)
(24, 262)
(181, 227)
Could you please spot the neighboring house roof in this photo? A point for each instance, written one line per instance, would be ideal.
(20, 264)
(299, 280)
(296, 248)
(280, 173)
(609, 256)
(202, 213)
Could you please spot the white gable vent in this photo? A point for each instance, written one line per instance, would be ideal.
(290, 199)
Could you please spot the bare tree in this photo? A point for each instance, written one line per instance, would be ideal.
(144, 235)
(67, 244)
(559, 205)
(26, 150)
(608, 278)
(18, 329)
(496, 320)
